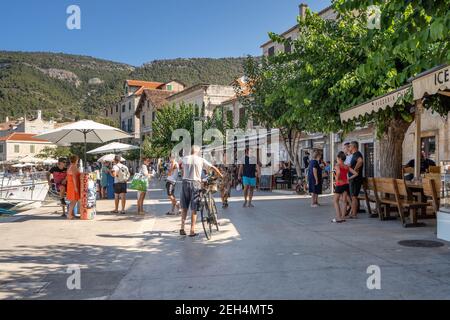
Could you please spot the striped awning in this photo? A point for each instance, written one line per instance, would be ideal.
(380, 103)
(436, 80)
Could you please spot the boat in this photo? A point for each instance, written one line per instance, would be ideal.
(22, 192)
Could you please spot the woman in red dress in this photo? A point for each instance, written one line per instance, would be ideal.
(73, 185)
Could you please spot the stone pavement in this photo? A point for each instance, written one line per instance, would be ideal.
(281, 249)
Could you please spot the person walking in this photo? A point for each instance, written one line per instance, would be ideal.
(342, 187)
(73, 185)
(315, 178)
(121, 176)
(248, 172)
(192, 167)
(144, 172)
(357, 164)
(171, 184)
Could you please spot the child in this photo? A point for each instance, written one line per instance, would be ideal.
(342, 187)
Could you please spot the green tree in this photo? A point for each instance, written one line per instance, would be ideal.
(55, 153)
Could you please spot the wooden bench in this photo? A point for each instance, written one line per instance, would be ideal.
(406, 202)
(388, 196)
(432, 189)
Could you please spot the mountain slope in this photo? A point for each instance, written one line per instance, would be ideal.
(67, 87)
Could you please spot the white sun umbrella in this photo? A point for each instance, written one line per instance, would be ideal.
(110, 158)
(50, 161)
(114, 147)
(30, 159)
(84, 131)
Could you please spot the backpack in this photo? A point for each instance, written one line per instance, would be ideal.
(124, 173)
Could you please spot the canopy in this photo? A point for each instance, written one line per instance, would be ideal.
(375, 105)
(110, 158)
(85, 131)
(30, 159)
(49, 161)
(436, 80)
(114, 147)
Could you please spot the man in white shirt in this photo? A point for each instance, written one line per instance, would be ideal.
(171, 183)
(193, 166)
(121, 175)
(348, 154)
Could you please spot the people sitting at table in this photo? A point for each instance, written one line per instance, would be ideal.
(425, 164)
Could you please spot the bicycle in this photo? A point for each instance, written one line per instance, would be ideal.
(208, 208)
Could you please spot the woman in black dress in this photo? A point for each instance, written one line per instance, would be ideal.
(315, 178)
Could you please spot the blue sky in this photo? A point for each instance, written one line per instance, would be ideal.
(136, 32)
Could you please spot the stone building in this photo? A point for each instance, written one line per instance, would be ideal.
(206, 97)
(34, 126)
(17, 145)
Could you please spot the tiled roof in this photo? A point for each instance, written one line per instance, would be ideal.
(8, 125)
(145, 84)
(158, 98)
(17, 136)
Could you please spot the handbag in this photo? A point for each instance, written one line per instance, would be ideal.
(239, 187)
(139, 183)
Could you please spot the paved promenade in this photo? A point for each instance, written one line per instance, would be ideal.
(281, 249)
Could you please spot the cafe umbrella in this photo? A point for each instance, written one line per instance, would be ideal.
(115, 147)
(84, 131)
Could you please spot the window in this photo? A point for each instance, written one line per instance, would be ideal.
(1, 148)
(117, 108)
(32, 149)
(123, 108)
(143, 119)
(271, 51)
(429, 147)
(153, 116)
(288, 45)
(129, 106)
(130, 125)
(16, 148)
(169, 87)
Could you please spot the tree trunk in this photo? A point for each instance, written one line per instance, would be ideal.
(291, 141)
(391, 146)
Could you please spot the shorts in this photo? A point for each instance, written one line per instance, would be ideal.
(170, 187)
(355, 187)
(120, 188)
(342, 189)
(246, 181)
(190, 195)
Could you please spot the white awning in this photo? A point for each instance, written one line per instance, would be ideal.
(375, 105)
(431, 82)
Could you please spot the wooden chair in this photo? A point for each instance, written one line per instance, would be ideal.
(407, 171)
(371, 196)
(432, 189)
(434, 169)
(405, 201)
(388, 196)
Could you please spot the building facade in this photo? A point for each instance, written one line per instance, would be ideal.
(34, 126)
(205, 97)
(16, 146)
(150, 102)
(124, 112)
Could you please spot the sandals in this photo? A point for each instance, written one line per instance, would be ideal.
(337, 221)
(182, 232)
(193, 235)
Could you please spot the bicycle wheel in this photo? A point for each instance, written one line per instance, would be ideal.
(206, 220)
(214, 212)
